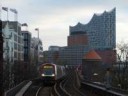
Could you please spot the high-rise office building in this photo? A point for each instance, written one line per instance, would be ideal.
(13, 41)
(101, 30)
(37, 45)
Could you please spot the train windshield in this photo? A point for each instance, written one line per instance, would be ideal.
(48, 70)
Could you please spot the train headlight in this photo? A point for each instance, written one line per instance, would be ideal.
(53, 74)
(42, 74)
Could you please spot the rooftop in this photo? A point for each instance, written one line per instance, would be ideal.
(92, 55)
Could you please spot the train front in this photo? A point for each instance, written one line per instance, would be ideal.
(48, 73)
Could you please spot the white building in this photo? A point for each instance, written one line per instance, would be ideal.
(13, 41)
(37, 46)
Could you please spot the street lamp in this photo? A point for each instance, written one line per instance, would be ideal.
(37, 29)
(95, 74)
(25, 25)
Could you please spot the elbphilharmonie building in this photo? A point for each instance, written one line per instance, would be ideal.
(100, 31)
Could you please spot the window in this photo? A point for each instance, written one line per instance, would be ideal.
(25, 51)
(15, 54)
(25, 36)
(18, 47)
(25, 43)
(15, 37)
(15, 46)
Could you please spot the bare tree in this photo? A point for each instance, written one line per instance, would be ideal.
(122, 65)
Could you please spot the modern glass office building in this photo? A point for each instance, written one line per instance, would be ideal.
(101, 30)
(13, 41)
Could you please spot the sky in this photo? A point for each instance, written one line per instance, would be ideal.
(53, 17)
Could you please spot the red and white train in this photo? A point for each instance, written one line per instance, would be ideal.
(51, 72)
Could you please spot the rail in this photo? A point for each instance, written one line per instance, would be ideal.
(101, 90)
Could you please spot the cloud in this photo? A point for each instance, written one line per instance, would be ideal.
(11, 3)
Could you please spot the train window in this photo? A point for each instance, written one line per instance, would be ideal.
(48, 66)
(48, 71)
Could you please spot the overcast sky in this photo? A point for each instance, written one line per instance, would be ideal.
(53, 17)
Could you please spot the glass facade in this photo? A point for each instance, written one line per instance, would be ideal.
(101, 30)
(73, 55)
(27, 45)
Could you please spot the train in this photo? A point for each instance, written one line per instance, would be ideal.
(50, 72)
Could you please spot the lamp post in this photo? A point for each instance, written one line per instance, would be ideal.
(107, 79)
(37, 29)
(95, 75)
(25, 25)
(6, 9)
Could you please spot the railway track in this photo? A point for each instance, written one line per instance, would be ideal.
(34, 87)
(59, 90)
(67, 87)
(71, 85)
(44, 91)
(37, 88)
